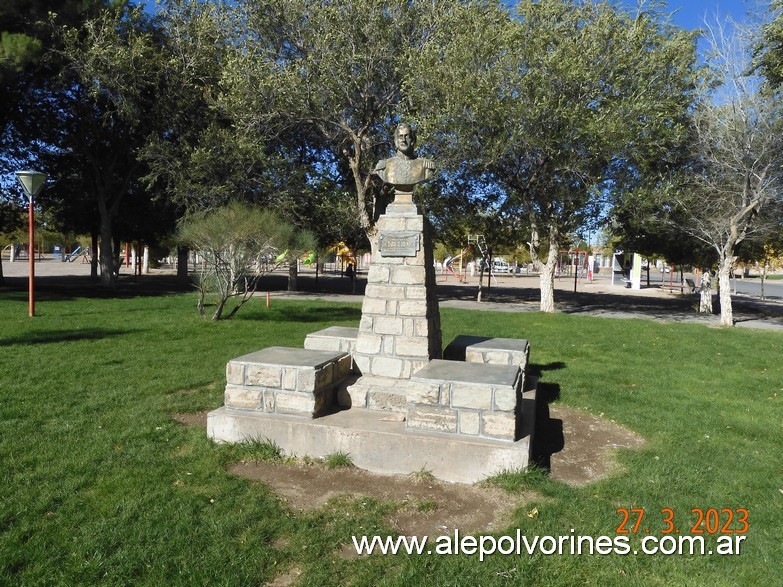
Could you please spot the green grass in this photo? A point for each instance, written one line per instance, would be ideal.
(100, 486)
(338, 460)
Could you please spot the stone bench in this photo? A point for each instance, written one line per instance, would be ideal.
(495, 351)
(474, 399)
(285, 380)
(334, 338)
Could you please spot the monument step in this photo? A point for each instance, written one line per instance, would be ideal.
(375, 443)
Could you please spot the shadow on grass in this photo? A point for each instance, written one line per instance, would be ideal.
(55, 336)
(548, 437)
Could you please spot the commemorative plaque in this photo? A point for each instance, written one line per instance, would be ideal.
(399, 244)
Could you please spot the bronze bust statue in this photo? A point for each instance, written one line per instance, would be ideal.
(404, 169)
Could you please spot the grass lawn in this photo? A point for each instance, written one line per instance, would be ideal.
(101, 486)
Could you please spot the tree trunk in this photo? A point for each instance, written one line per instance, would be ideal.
(108, 277)
(546, 278)
(705, 292)
(94, 255)
(182, 263)
(724, 290)
(292, 275)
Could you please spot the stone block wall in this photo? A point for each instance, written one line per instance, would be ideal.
(461, 398)
(286, 381)
(400, 327)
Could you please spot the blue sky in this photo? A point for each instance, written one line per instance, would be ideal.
(690, 13)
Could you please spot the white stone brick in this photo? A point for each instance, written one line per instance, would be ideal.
(289, 378)
(388, 345)
(266, 376)
(437, 419)
(357, 396)
(294, 403)
(381, 400)
(322, 343)
(386, 367)
(469, 423)
(500, 425)
(505, 399)
(378, 274)
(388, 325)
(314, 380)
(373, 306)
(416, 223)
(412, 308)
(422, 327)
(471, 396)
(421, 392)
(392, 223)
(362, 362)
(235, 373)
(412, 346)
(408, 275)
(365, 324)
(416, 293)
(368, 343)
(498, 358)
(244, 398)
(385, 292)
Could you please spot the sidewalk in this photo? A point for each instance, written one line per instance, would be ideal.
(506, 294)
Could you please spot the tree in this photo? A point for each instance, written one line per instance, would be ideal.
(333, 74)
(554, 104)
(768, 48)
(236, 243)
(100, 111)
(738, 149)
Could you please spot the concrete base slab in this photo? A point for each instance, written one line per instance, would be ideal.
(374, 442)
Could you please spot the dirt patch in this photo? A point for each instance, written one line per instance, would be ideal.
(427, 506)
(588, 444)
(192, 419)
(579, 445)
(287, 579)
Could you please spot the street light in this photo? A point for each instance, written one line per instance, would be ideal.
(32, 182)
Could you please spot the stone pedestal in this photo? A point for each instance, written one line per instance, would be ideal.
(399, 331)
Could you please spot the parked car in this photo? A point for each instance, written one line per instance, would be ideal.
(501, 266)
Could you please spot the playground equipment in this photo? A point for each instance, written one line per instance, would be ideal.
(448, 263)
(344, 253)
(70, 257)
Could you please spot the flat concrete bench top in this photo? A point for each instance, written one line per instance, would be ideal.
(483, 343)
(280, 356)
(337, 332)
(475, 373)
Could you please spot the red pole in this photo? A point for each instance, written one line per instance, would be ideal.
(31, 253)
(268, 300)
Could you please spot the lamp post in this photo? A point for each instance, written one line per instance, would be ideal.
(32, 182)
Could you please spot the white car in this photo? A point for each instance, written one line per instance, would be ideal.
(501, 266)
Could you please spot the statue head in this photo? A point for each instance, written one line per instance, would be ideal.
(405, 139)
